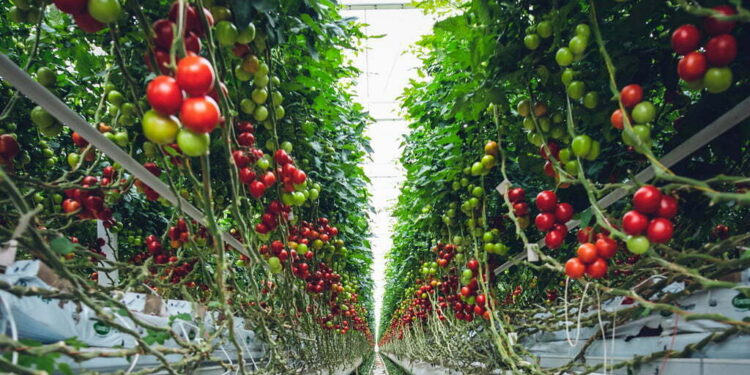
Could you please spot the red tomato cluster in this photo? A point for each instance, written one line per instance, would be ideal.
(88, 202)
(591, 258)
(175, 272)
(290, 175)
(554, 149)
(164, 30)
(178, 234)
(269, 221)
(718, 52)
(79, 10)
(651, 214)
(8, 150)
(631, 97)
(150, 193)
(552, 219)
(445, 252)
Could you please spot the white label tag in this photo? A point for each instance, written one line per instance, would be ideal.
(8, 254)
(531, 254)
(503, 187)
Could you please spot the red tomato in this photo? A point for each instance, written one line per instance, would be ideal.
(546, 201)
(71, 6)
(200, 114)
(686, 38)
(516, 195)
(660, 230)
(247, 175)
(549, 170)
(521, 209)
(631, 95)
(246, 139)
(195, 75)
(164, 31)
(164, 95)
(472, 264)
(587, 253)
(721, 50)
(553, 147)
(692, 66)
(544, 221)
(564, 212)
(269, 179)
(616, 119)
(647, 199)
(667, 207)
(299, 177)
(574, 268)
(87, 23)
(714, 27)
(554, 239)
(606, 247)
(192, 43)
(78, 140)
(257, 189)
(584, 234)
(598, 269)
(634, 223)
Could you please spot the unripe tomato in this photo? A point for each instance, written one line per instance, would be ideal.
(193, 144)
(195, 75)
(714, 26)
(597, 269)
(532, 41)
(631, 95)
(581, 145)
(164, 95)
(159, 128)
(576, 90)
(638, 244)
(692, 67)
(686, 38)
(578, 44)
(104, 11)
(721, 50)
(634, 223)
(591, 100)
(226, 33)
(200, 114)
(647, 199)
(644, 112)
(718, 80)
(564, 56)
(660, 230)
(574, 268)
(544, 29)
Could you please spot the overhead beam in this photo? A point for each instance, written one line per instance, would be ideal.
(379, 6)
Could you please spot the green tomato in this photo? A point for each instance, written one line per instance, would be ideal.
(226, 33)
(158, 128)
(247, 106)
(193, 144)
(261, 113)
(299, 198)
(276, 98)
(477, 191)
(638, 244)
(115, 98)
(465, 181)
(287, 146)
(46, 77)
(535, 139)
(259, 95)
(572, 167)
(488, 161)
(274, 263)
(544, 123)
(718, 80)
(564, 56)
(52, 130)
(576, 89)
(473, 202)
(557, 118)
(241, 74)
(532, 41)
(476, 169)
(565, 155)
(263, 69)
(581, 145)
(247, 34)
(128, 109)
(583, 30)
(488, 237)
(41, 118)
(591, 100)
(104, 11)
(121, 138)
(596, 149)
(567, 76)
(643, 112)
(261, 80)
(279, 111)
(578, 44)
(641, 132)
(528, 123)
(544, 29)
(263, 163)
(557, 132)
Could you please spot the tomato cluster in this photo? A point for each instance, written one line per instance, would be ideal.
(517, 197)
(90, 15)
(150, 193)
(165, 29)
(651, 215)
(641, 114)
(708, 68)
(552, 218)
(87, 202)
(269, 221)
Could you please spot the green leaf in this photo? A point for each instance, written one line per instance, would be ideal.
(62, 245)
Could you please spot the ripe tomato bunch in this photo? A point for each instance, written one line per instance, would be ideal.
(554, 152)
(8, 150)
(88, 201)
(591, 258)
(552, 218)
(270, 219)
(445, 253)
(708, 68)
(164, 30)
(150, 193)
(651, 215)
(90, 15)
(178, 234)
(517, 197)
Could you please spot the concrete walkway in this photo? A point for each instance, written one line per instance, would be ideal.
(379, 368)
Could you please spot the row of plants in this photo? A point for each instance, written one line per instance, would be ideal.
(532, 112)
(244, 110)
